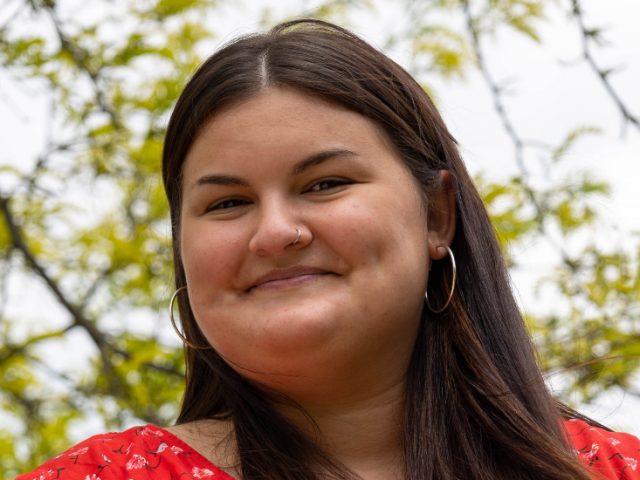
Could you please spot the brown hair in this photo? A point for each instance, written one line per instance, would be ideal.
(476, 403)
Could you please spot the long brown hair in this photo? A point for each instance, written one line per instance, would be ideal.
(476, 403)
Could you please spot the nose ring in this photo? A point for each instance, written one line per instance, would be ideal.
(298, 235)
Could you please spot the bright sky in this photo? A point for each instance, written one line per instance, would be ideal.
(553, 92)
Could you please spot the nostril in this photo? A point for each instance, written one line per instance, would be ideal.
(276, 239)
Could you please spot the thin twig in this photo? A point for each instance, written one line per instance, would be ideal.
(80, 58)
(496, 91)
(13, 16)
(587, 35)
(76, 313)
(78, 317)
(519, 144)
(11, 350)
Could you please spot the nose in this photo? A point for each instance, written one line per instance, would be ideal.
(279, 230)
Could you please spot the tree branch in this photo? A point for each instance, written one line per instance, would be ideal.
(79, 319)
(519, 144)
(603, 75)
(80, 58)
(12, 16)
(9, 350)
(496, 91)
(76, 313)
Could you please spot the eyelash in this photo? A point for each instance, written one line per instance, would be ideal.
(224, 204)
(328, 183)
(332, 182)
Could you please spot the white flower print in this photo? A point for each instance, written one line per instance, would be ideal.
(92, 477)
(631, 462)
(594, 451)
(614, 441)
(592, 454)
(176, 450)
(136, 462)
(201, 472)
(80, 451)
(146, 431)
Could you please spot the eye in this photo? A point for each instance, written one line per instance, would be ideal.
(328, 184)
(227, 204)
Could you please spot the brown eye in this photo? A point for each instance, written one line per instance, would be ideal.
(328, 184)
(227, 204)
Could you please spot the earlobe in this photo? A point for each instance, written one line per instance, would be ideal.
(437, 251)
(442, 217)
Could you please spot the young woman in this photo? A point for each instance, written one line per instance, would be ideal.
(344, 303)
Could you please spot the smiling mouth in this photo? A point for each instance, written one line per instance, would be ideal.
(287, 278)
(288, 282)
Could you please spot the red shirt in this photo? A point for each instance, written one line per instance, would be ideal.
(612, 455)
(146, 452)
(149, 452)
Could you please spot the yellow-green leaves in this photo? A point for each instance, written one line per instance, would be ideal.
(445, 51)
(91, 211)
(507, 205)
(168, 8)
(520, 15)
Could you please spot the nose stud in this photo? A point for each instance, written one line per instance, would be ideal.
(298, 235)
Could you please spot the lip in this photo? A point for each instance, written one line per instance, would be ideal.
(284, 277)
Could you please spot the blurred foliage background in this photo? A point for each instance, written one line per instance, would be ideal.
(85, 270)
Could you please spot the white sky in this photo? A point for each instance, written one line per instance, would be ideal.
(553, 93)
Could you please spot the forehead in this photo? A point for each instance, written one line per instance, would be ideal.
(286, 107)
(285, 123)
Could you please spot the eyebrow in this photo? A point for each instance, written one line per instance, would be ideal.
(320, 157)
(298, 168)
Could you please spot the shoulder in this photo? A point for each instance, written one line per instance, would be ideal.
(613, 455)
(138, 453)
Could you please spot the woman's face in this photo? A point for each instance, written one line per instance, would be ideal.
(345, 299)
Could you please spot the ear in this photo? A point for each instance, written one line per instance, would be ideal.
(441, 217)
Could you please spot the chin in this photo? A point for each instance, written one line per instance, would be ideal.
(283, 344)
(295, 331)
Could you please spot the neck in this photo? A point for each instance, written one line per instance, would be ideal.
(365, 433)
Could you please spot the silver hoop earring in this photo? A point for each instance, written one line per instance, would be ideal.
(181, 336)
(454, 272)
(298, 235)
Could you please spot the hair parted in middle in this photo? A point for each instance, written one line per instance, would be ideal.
(476, 403)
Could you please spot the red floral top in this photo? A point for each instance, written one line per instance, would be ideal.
(140, 453)
(610, 455)
(149, 452)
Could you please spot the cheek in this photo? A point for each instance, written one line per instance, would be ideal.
(383, 241)
(209, 256)
(380, 228)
